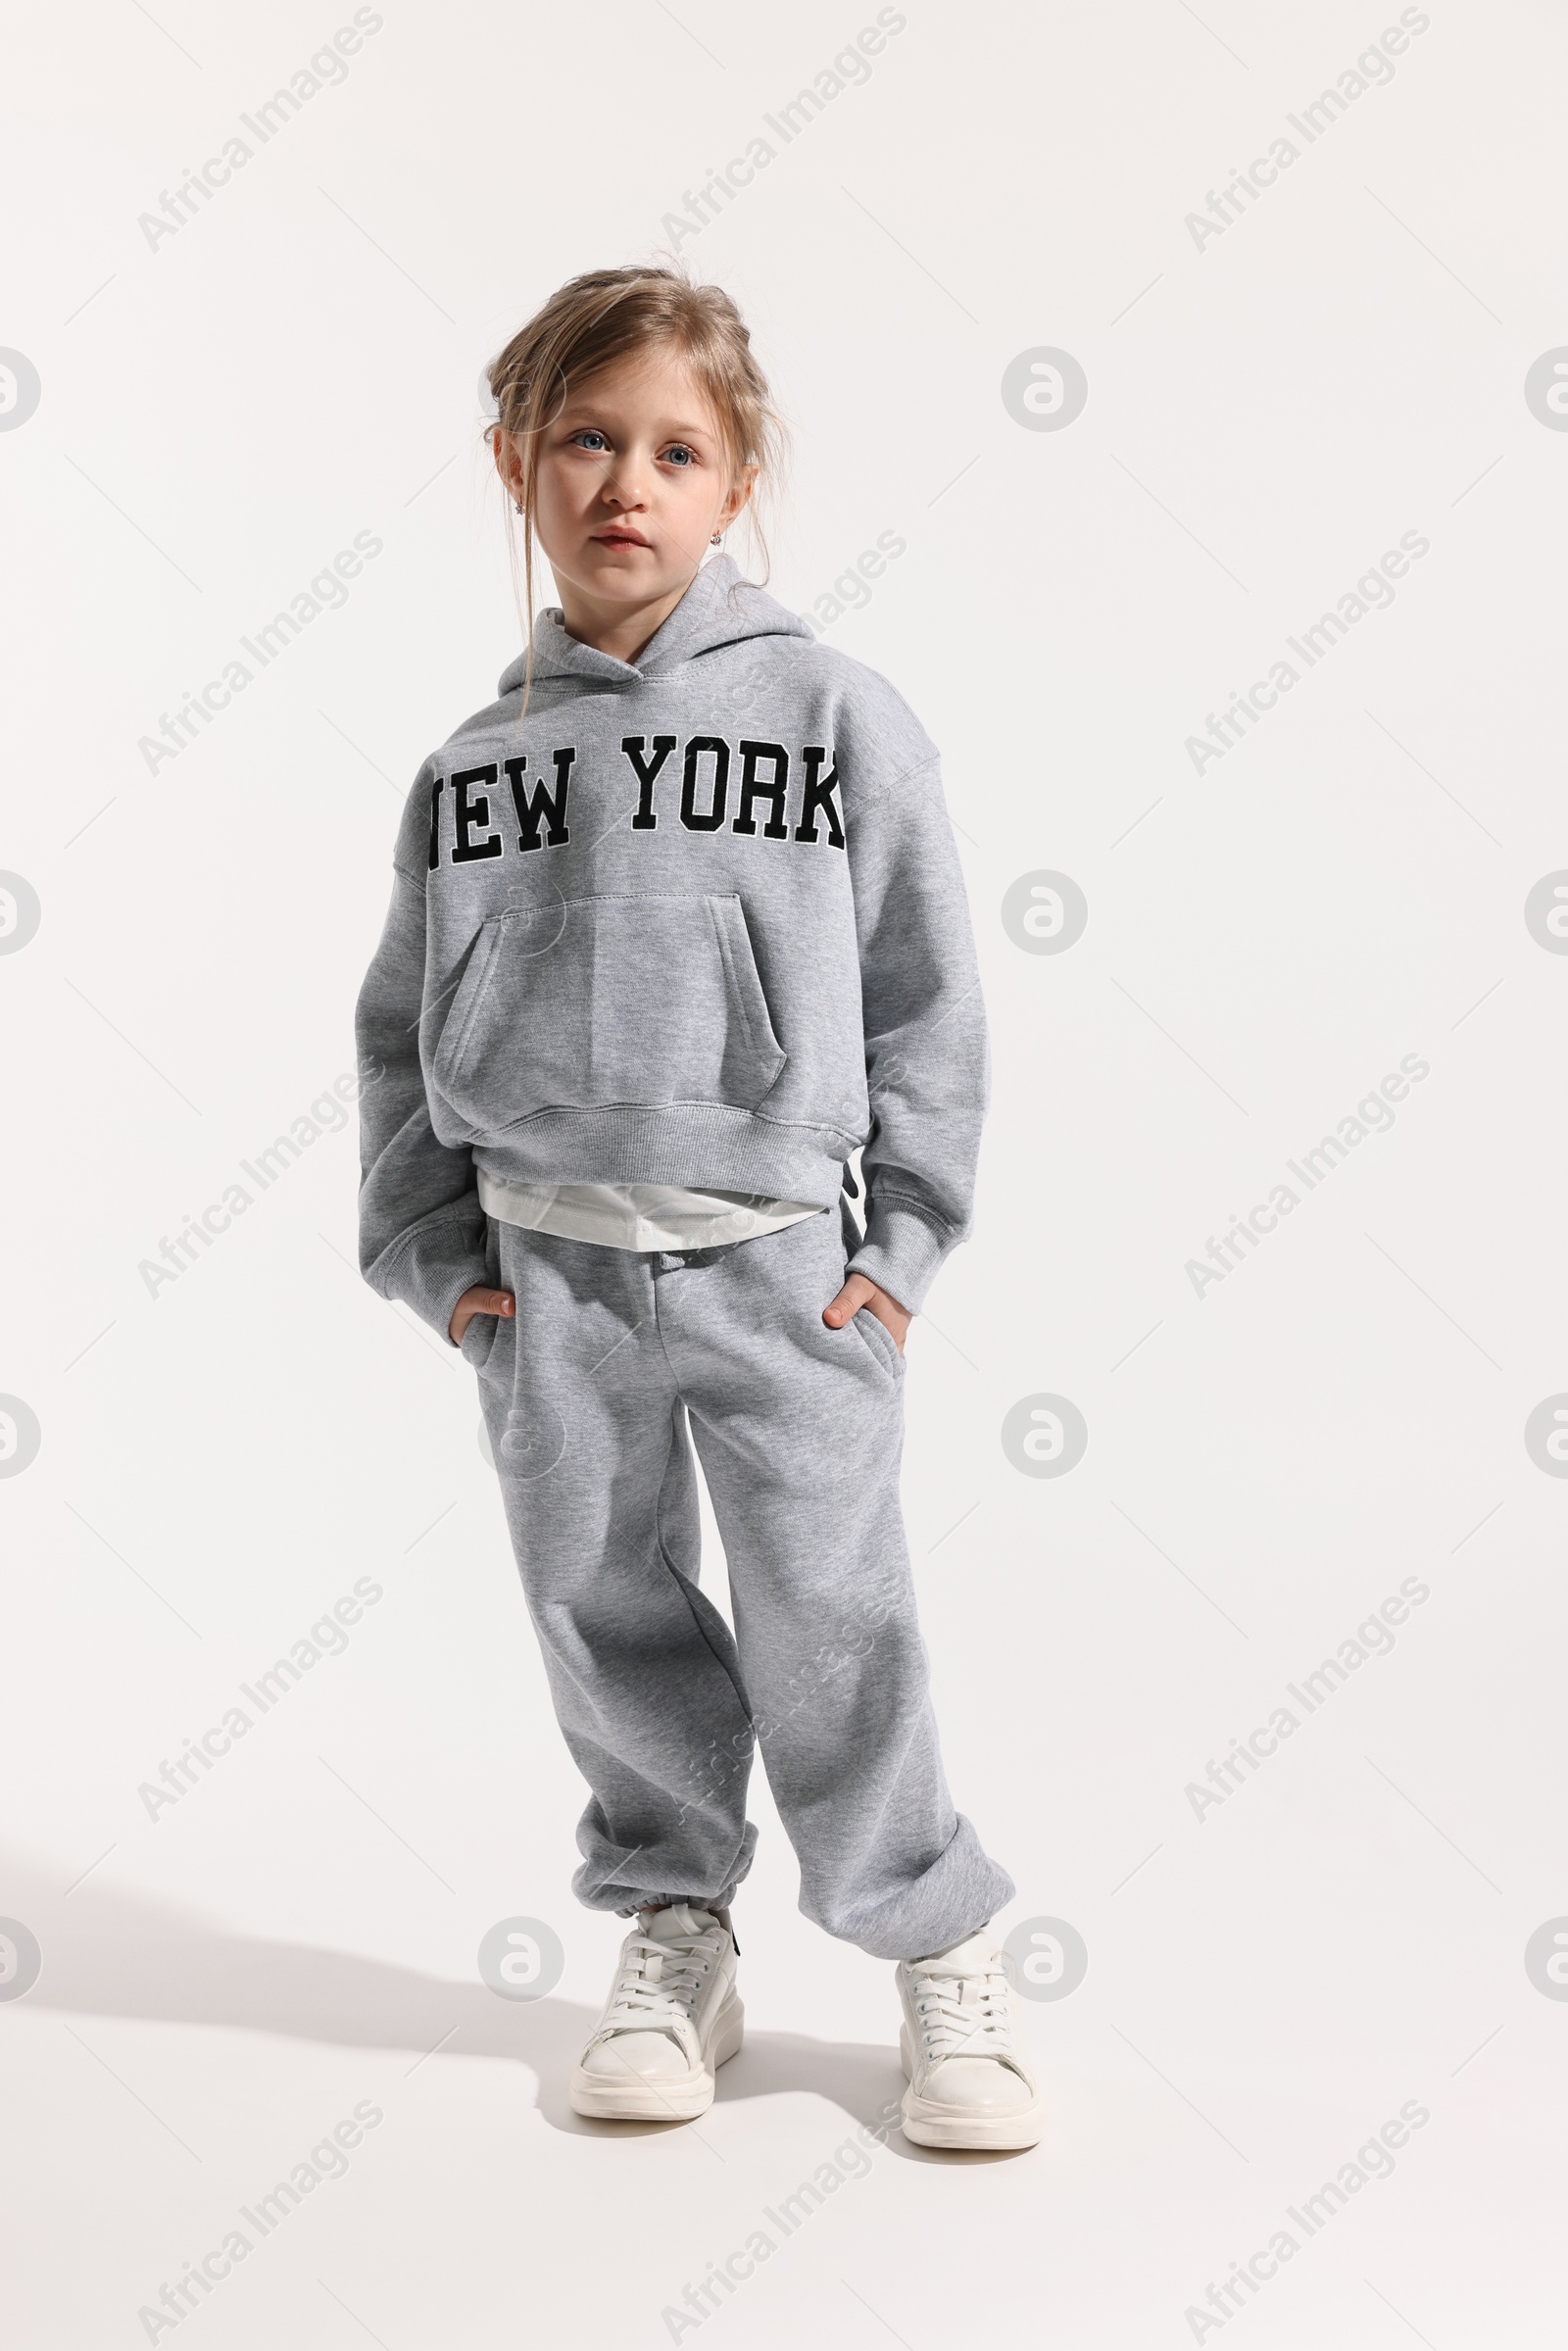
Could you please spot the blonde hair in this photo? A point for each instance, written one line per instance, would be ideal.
(608, 315)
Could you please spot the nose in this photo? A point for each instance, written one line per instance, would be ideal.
(626, 483)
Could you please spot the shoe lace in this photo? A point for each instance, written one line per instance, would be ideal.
(963, 2014)
(659, 1984)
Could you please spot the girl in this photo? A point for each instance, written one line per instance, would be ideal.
(676, 926)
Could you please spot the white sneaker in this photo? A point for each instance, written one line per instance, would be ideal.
(672, 2016)
(969, 2081)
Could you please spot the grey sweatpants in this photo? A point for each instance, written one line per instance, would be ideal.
(588, 1396)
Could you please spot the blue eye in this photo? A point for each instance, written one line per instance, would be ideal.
(591, 432)
(681, 454)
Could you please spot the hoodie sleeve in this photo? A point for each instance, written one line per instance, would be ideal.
(927, 1051)
(422, 1227)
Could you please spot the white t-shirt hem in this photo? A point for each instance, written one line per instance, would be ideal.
(638, 1217)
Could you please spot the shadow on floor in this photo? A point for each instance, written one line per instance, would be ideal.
(110, 1952)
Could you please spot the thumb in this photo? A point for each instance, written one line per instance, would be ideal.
(850, 1299)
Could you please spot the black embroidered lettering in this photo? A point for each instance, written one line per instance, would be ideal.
(435, 822)
(818, 795)
(469, 815)
(752, 754)
(646, 772)
(711, 822)
(541, 805)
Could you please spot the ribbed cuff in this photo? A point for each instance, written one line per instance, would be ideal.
(434, 1268)
(902, 1252)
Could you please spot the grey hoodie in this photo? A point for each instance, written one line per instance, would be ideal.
(698, 920)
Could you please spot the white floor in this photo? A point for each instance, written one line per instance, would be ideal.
(170, 2074)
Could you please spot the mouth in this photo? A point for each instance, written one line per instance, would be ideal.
(620, 538)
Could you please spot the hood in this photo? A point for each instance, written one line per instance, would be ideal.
(719, 607)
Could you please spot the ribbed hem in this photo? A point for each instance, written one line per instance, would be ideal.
(693, 1144)
(902, 1252)
(599, 1889)
(932, 1911)
(434, 1266)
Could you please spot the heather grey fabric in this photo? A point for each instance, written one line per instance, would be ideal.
(697, 921)
(588, 1399)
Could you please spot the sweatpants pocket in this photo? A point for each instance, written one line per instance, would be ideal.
(478, 1340)
(604, 1002)
(879, 1339)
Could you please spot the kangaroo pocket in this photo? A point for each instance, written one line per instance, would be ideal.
(593, 1002)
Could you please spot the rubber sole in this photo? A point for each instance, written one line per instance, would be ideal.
(679, 2098)
(930, 2123)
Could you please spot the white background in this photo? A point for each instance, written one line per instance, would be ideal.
(219, 1463)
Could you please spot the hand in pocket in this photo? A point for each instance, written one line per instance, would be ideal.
(858, 1292)
(500, 1303)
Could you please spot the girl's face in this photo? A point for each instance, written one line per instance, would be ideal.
(633, 482)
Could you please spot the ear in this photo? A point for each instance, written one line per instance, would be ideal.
(738, 495)
(509, 464)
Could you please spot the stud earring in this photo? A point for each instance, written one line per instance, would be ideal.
(717, 539)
